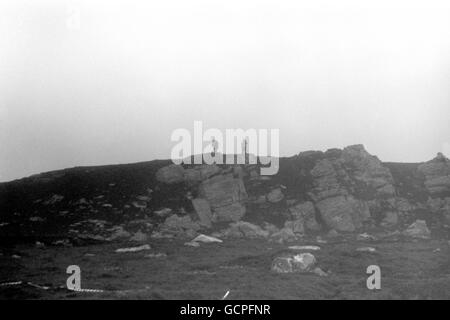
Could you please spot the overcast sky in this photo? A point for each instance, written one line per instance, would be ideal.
(105, 82)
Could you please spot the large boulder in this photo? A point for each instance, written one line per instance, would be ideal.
(343, 213)
(170, 174)
(437, 174)
(203, 211)
(226, 195)
(369, 169)
(349, 171)
(341, 179)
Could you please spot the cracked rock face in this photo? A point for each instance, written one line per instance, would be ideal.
(343, 213)
(339, 180)
(437, 174)
(306, 214)
(225, 194)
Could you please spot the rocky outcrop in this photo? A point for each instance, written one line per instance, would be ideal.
(342, 178)
(437, 174)
(203, 210)
(226, 195)
(221, 196)
(343, 213)
(368, 169)
(306, 214)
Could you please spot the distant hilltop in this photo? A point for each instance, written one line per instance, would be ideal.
(336, 191)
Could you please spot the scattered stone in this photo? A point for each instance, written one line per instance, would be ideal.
(139, 237)
(365, 237)
(320, 272)
(320, 240)
(37, 219)
(141, 205)
(437, 250)
(192, 244)
(205, 239)
(91, 237)
(274, 196)
(62, 243)
(366, 249)
(163, 212)
(134, 249)
(302, 263)
(39, 245)
(418, 229)
(81, 202)
(306, 248)
(54, 199)
(144, 198)
(284, 235)
(118, 232)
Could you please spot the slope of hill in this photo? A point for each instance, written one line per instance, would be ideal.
(340, 201)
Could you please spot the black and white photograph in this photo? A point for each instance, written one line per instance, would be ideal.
(229, 151)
